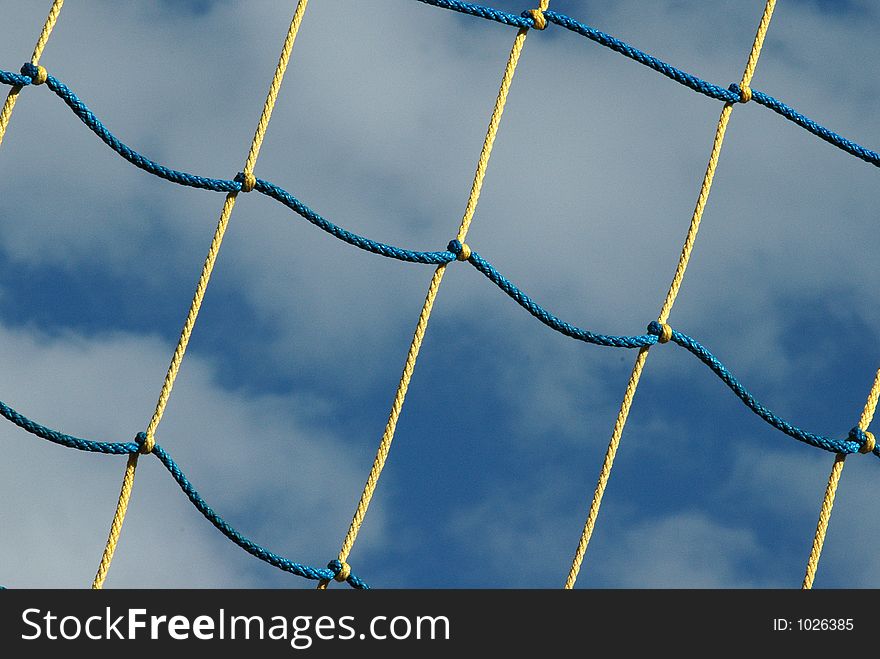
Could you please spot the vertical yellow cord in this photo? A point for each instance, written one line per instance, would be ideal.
(433, 287)
(824, 518)
(201, 287)
(12, 96)
(635, 376)
(831, 488)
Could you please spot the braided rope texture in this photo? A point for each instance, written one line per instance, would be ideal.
(32, 74)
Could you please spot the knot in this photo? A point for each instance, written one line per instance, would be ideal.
(662, 331)
(145, 444)
(247, 179)
(863, 437)
(870, 443)
(342, 570)
(461, 250)
(745, 92)
(537, 17)
(37, 74)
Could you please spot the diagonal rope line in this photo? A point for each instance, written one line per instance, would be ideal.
(422, 324)
(201, 287)
(831, 488)
(12, 96)
(824, 519)
(687, 249)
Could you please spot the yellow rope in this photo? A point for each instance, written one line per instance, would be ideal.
(12, 96)
(824, 518)
(118, 517)
(186, 332)
(831, 488)
(605, 472)
(871, 403)
(635, 376)
(396, 407)
(201, 287)
(434, 286)
(492, 131)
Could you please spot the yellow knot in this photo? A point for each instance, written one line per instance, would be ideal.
(745, 94)
(249, 181)
(147, 446)
(869, 444)
(538, 16)
(344, 572)
(465, 252)
(665, 333)
(41, 76)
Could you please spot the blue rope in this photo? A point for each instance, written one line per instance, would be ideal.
(221, 185)
(545, 316)
(820, 131)
(296, 205)
(201, 505)
(9, 78)
(65, 440)
(861, 438)
(686, 79)
(249, 546)
(728, 95)
(850, 445)
(89, 119)
(855, 440)
(483, 12)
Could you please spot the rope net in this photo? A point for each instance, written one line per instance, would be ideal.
(541, 19)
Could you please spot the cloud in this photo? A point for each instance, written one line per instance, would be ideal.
(531, 545)
(683, 551)
(263, 462)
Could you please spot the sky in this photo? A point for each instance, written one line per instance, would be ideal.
(287, 383)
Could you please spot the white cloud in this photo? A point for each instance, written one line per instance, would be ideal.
(263, 462)
(686, 550)
(530, 544)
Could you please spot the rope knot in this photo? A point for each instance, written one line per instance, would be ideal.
(341, 570)
(662, 331)
(145, 444)
(37, 74)
(461, 250)
(744, 92)
(863, 437)
(537, 17)
(247, 179)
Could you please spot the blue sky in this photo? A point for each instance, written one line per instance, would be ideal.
(286, 386)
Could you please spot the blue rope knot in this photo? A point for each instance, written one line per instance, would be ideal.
(537, 17)
(247, 179)
(864, 438)
(144, 445)
(341, 571)
(662, 331)
(461, 250)
(37, 74)
(744, 92)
